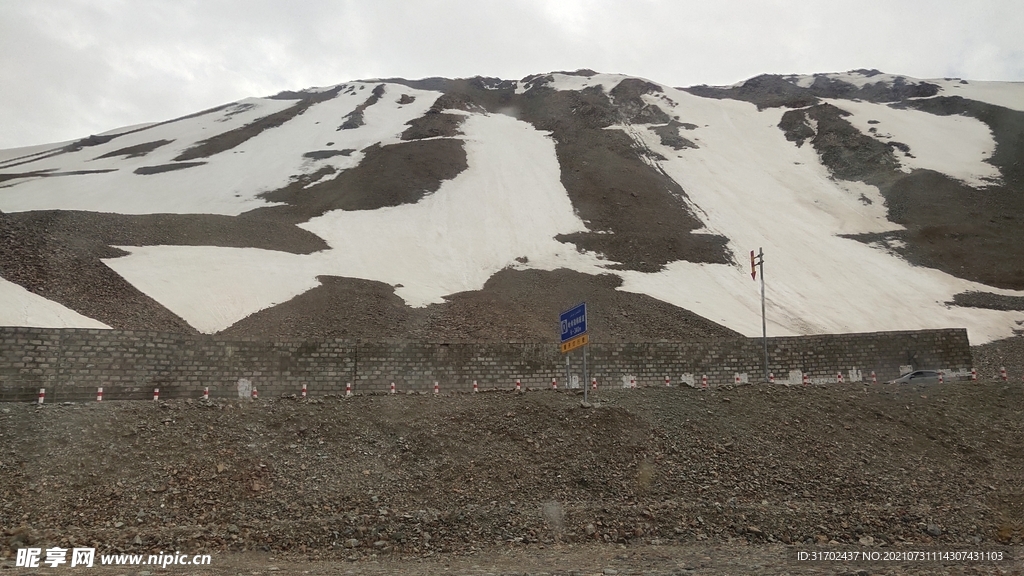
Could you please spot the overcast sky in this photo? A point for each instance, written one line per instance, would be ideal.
(70, 68)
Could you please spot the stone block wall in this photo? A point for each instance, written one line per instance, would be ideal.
(72, 363)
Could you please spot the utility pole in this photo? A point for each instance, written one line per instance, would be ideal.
(755, 261)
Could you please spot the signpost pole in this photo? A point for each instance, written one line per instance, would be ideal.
(568, 378)
(584, 374)
(755, 262)
(764, 321)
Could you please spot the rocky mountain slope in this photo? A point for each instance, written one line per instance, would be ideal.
(478, 208)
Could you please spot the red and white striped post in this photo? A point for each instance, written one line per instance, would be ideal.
(974, 374)
(519, 387)
(771, 378)
(42, 394)
(348, 389)
(554, 384)
(437, 389)
(99, 394)
(593, 383)
(475, 387)
(206, 393)
(704, 381)
(942, 379)
(737, 379)
(156, 394)
(839, 378)
(668, 382)
(806, 380)
(1002, 373)
(874, 379)
(255, 394)
(632, 382)
(392, 387)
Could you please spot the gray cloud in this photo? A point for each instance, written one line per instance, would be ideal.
(75, 67)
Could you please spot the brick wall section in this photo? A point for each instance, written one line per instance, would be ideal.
(72, 363)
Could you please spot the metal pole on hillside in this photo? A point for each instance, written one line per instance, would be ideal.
(755, 261)
(567, 371)
(584, 374)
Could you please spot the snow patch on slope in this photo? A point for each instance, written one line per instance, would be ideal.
(1006, 94)
(953, 145)
(760, 191)
(230, 181)
(212, 287)
(23, 308)
(509, 203)
(573, 82)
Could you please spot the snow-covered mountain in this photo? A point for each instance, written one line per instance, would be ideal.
(478, 208)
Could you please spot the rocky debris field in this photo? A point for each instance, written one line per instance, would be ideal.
(417, 477)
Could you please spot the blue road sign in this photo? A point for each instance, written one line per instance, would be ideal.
(574, 321)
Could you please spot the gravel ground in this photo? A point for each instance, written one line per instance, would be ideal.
(498, 482)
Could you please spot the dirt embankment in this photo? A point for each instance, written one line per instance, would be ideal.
(855, 466)
(512, 305)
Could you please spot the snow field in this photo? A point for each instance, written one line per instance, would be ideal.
(759, 190)
(230, 181)
(745, 182)
(509, 203)
(23, 308)
(1006, 94)
(954, 145)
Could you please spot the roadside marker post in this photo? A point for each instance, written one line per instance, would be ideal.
(519, 387)
(392, 387)
(554, 384)
(437, 389)
(874, 380)
(42, 394)
(771, 378)
(475, 387)
(806, 379)
(156, 394)
(99, 394)
(839, 379)
(974, 374)
(348, 389)
(667, 382)
(1002, 373)
(704, 382)
(593, 384)
(206, 393)
(941, 379)
(737, 379)
(255, 394)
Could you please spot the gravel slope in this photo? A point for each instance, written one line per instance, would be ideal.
(838, 467)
